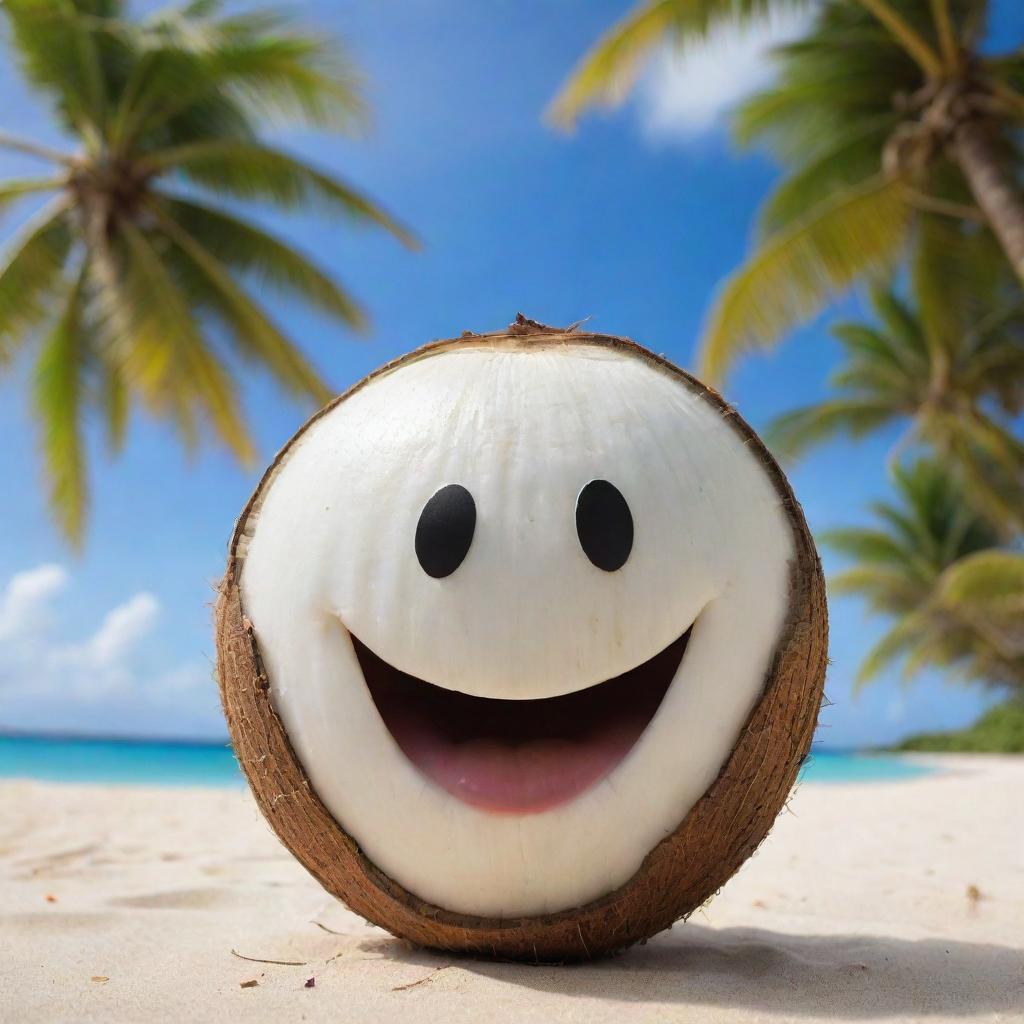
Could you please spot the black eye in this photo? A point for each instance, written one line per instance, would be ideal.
(604, 525)
(445, 530)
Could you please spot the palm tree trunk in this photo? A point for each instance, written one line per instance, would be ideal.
(993, 190)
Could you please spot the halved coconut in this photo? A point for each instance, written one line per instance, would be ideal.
(521, 644)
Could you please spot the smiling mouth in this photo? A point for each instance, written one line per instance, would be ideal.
(518, 756)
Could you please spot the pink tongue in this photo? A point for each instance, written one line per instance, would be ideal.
(516, 779)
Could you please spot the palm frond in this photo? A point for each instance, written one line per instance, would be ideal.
(986, 592)
(945, 31)
(795, 271)
(894, 369)
(866, 343)
(886, 591)
(909, 39)
(910, 632)
(193, 367)
(995, 441)
(885, 583)
(605, 74)
(791, 435)
(254, 331)
(991, 579)
(17, 188)
(995, 370)
(993, 489)
(31, 271)
(909, 568)
(935, 516)
(251, 170)
(899, 321)
(817, 101)
(863, 544)
(56, 46)
(30, 147)
(271, 70)
(958, 274)
(57, 396)
(113, 399)
(854, 158)
(246, 248)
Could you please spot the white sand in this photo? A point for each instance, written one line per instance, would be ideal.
(123, 904)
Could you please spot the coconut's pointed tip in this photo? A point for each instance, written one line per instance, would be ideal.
(524, 325)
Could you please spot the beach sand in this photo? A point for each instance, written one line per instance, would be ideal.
(885, 901)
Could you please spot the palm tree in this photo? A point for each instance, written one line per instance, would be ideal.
(129, 281)
(986, 590)
(932, 563)
(958, 384)
(888, 114)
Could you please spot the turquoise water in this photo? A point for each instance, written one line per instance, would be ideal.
(199, 764)
(853, 766)
(126, 761)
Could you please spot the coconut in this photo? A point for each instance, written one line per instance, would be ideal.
(521, 644)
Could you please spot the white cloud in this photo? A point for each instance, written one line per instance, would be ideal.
(121, 630)
(33, 660)
(686, 93)
(109, 676)
(26, 599)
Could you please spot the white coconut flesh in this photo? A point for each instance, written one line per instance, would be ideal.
(513, 737)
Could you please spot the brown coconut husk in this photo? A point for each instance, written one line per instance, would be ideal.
(686, 868)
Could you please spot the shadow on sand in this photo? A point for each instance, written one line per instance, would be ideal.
(835, 976)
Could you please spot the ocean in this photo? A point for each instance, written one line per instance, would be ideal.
(148, 762)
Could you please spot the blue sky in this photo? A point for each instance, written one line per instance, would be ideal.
(632, 221)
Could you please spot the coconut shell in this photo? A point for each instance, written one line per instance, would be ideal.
(683, 871)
